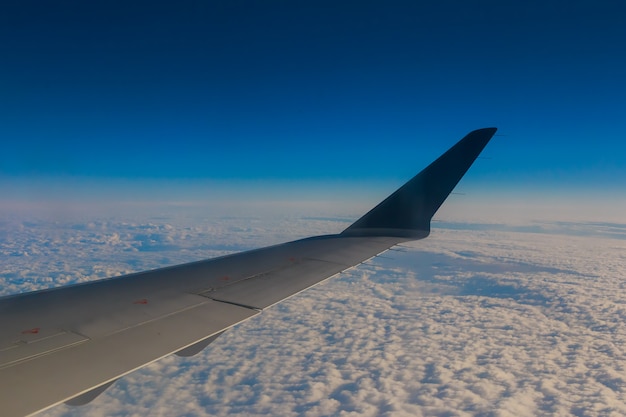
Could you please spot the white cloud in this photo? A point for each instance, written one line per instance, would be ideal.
(468, 322)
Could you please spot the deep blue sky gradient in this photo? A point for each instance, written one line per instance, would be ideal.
(313, 90)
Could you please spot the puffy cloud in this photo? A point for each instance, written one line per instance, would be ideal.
(497, 321)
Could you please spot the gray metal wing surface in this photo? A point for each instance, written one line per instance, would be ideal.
(68, 344)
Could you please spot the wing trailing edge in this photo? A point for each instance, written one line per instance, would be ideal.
(408, 211)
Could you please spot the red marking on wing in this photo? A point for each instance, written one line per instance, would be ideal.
(34, 330)
(142, 301)
(225, 278)
(292, 259)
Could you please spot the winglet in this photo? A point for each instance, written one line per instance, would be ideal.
(408, 211)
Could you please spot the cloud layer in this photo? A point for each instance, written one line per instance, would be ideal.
(464, 323)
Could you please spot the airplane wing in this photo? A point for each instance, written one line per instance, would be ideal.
(69, 344)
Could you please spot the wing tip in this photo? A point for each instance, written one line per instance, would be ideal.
(486, 130)
(409, 210)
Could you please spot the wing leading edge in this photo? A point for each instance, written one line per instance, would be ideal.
(68, 344)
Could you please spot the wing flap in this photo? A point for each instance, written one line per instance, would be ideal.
(25, 350)
(312, 261)
(269, 288)
(34, 384)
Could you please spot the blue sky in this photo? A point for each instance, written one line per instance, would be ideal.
(326, 92)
